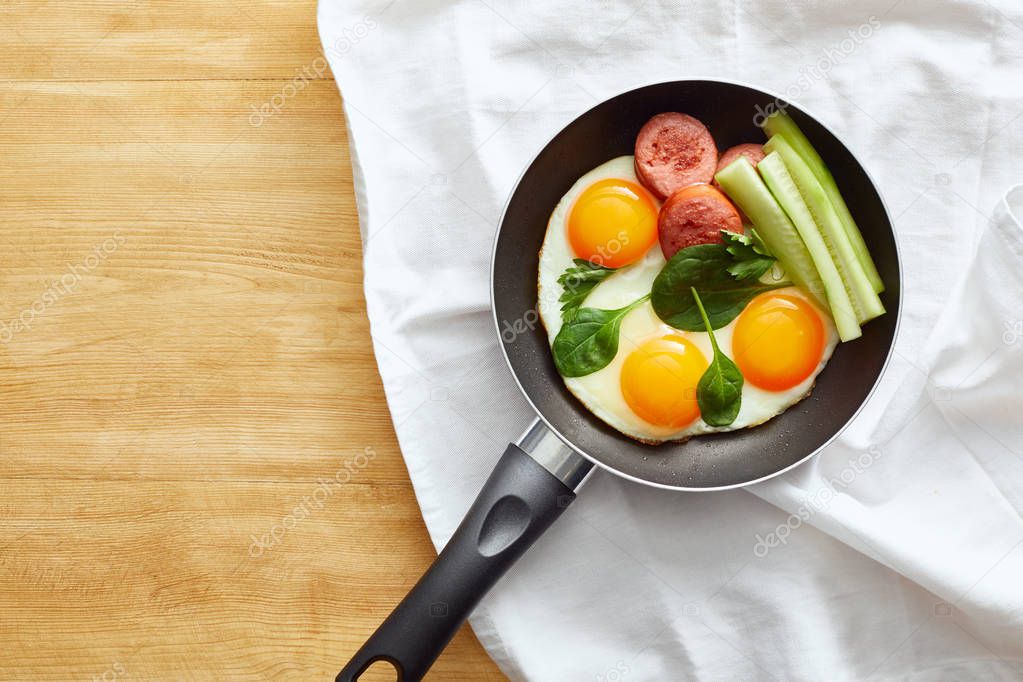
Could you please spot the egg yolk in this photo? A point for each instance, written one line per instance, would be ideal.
(612, 223)
(778, 341)
(659, 381)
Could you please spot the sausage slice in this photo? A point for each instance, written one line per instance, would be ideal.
(753, 152)
(674, 150)
(695, 215)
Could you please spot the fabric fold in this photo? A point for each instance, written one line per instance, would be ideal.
(896, 553)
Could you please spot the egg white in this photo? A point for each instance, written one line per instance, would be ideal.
(601, 391)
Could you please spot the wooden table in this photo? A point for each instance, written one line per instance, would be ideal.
(185, 355)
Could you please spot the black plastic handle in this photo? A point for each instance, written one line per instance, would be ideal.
(518, 503)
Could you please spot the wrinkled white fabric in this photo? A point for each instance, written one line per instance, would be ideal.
(896, 553)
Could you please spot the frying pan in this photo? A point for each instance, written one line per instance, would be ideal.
(537, 477)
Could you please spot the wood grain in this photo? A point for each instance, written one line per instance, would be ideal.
(200, 476)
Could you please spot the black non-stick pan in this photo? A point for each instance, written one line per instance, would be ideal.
(537, 477)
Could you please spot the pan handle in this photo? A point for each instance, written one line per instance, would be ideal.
(532, 484)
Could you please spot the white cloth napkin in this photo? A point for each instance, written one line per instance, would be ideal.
(898, 552)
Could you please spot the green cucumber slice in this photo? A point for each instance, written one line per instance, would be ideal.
(861, 291)
(743, 186)
(784, 189)
(780, 123)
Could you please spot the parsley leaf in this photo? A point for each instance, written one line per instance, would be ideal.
(751, 259)
(578, 281)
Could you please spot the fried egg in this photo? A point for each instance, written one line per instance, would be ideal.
(780, 342)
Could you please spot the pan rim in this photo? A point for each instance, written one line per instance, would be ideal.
(731, 486)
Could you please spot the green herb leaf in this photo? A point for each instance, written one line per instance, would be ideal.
(588, 340)
(719, 391)
(751, 260)
(578, 281)
(704, 266)
(758, 243)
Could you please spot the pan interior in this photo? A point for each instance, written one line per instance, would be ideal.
(721, 460)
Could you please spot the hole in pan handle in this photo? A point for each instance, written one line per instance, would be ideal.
(533, 483)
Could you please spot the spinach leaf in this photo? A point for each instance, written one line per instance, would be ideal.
(704, 266)
(578, 282)
(719, 391)
(588, 340)
(751, 260)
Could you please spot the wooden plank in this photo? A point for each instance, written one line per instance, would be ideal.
(224, 297)
(225, 580)
(185, 353)
(150, 39)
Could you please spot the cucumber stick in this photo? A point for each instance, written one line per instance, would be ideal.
(780, 123)
(782, 186)
(743, 186)
(861, 291)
